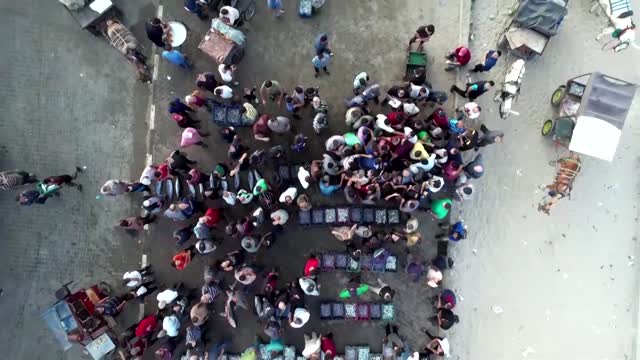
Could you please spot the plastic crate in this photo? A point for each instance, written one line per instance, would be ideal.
(304, 217)
(362, 311)
(350, 311)
(366, 262)
(381, 216)
(290, 353)
(353, 265)
(330, 216)
(343, 215)
(325, 311)
(388, 312)
(391, 264)
(417, 58)
(375, 311)
(317, 216)
(328, 261)
(342, 260)
(350, 353)
(337, 310)
(363, 352)
(356, 215)
(368, 216)
(393, 216)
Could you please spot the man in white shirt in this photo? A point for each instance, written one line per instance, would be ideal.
(229, 15)
(300, 317)
(471, 110)
(226, 73)
(166, 297)
(224, 92)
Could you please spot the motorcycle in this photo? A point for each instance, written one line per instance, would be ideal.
(510, 89)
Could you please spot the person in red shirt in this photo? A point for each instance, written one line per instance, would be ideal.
(458, 58)
(183, 258)
(146, 327)
(397, 119)
(328, 346)
(212, 217)
(312, 266)
(261, 129)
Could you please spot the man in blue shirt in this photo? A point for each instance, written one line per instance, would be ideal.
(490, 60)
(322, 44)
(176, 58)
(320, 61)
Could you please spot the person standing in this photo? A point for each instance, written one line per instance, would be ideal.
(272, 89)
(176, 58)
(135, 223)
(385, 291)
(207, 81)
(470, 111)
(321, 45)
(276, 7)
(490, 60)
(183, 258)
(422, 35)
(489, 137)
(473, 90)
(224, 92)
(321, 61)
(359, 82)
(156, 31)
(226, 73)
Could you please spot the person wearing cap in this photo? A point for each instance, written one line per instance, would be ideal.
(300, 318)
(437, 346)
(170, 326)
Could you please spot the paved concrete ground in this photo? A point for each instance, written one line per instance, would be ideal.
(68, 99)
(365, 36)
(565, 281)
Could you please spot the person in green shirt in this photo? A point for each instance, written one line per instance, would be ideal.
(440, 208)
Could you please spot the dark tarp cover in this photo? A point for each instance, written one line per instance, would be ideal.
(607, 99)
(543, 16)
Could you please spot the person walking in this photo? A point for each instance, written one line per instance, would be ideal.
(422, 35)
(392, 344)
(176, 58)
(490, 60)
(473, 90)
(437, 345)
(224, 92)
(157, 31)
(445, 319)
(312, 346)
(320, 62)
(489, 137)
(276, 7)
(321, 44)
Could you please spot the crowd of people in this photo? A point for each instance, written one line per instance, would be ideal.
(399, 147)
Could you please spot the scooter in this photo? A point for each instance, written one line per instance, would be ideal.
(510, 89)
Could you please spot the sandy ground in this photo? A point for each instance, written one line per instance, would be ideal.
(567, 283)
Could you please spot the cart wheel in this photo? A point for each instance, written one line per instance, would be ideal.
(547, 127)
(104, 287)
(556, 97)
(250, 11)
(502, 113)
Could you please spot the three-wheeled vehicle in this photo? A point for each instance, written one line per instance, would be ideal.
(73, 320)
(591, 110)
(533, 24)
